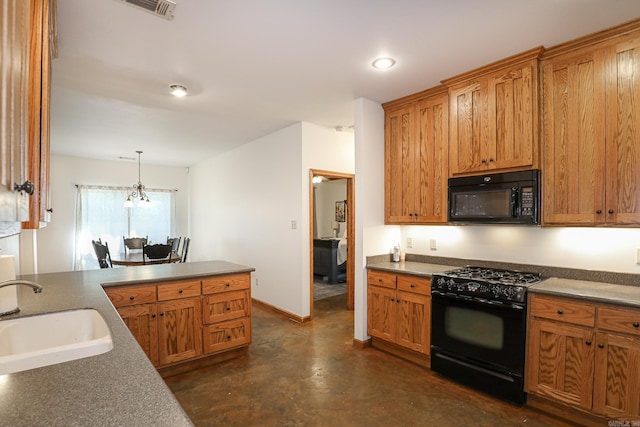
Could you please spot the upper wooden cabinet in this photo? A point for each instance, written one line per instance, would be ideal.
(43, 44)
(14, 85)
(416, 157)
(493, 119)
(591, 156)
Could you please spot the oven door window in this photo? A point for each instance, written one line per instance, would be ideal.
(475, 327)
(495, 203)
(492, 333)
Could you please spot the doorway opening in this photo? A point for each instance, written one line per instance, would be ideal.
(331, 231)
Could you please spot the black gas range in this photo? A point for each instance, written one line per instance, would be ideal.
(478, 328)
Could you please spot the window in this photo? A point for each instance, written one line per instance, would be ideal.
(100, 214)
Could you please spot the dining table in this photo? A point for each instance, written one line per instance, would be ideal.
(135, 258)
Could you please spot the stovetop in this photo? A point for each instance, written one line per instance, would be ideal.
(494, 275)
(486, 283)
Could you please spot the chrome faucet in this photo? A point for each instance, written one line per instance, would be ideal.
(36, 289)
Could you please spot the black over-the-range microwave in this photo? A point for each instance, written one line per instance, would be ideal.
(501, 198)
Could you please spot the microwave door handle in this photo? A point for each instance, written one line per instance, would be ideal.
(514, 202)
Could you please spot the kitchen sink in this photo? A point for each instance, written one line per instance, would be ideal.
(52, 338)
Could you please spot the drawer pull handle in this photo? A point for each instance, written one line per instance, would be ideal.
(227, 284)
(228, 337)
(636, 324)
(560, 311)
(228, 308)
(132, 297)
(413, 286)
(599, 211)
(588, 342)
(180, 291)
(611, 211)
(600, 345)
(162, 313)
(153, 316)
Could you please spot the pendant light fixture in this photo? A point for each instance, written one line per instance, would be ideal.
(138, 191)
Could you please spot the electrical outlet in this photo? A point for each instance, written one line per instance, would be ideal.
(294, 224)
(409, 242)
(433, 245)
(256, 281)
(638, 256)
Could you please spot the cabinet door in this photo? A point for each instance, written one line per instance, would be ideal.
(560, 362)
(399, 165)
(413, 324)
(573, 139)
(142, 321)
(623, 129)
(431, 160)
(381, 312)
(512, 118)
(468, 128)
(179, 330)
(617, 376)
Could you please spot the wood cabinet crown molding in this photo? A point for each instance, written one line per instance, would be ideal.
(401, 102)
(499, 65)
(591, 39)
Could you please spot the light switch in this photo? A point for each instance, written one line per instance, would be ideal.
(433, 244)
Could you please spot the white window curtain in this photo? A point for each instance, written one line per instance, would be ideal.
(100, 214)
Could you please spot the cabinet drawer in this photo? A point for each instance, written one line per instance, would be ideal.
(381, 278)
(563, 310)
(176, 290)
(131, 295)
(226, 335)
(419, 285)
(230, 282)
(619, 320)
(226, 306)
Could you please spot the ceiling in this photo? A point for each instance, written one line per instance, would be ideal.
(253, 67)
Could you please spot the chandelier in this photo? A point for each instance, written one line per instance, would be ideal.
(138, 191)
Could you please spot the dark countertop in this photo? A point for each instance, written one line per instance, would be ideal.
(120, 387)
(410, 267)
(591, 291)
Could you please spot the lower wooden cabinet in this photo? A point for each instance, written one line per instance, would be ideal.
(142, 322)
(179, 330)
(174, 322)
(399, 309)
(584, 354)
(227, 312)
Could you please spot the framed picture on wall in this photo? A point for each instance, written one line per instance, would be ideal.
(341, 208)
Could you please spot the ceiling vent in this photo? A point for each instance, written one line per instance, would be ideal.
(161, 8)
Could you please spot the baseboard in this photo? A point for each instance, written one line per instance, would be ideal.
(202, 362)
(361, 344)
(564, 412)
(284, 313)
(419, 359)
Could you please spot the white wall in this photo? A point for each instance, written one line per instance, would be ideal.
(327, 194)
(371, 235)
(55, 242)
(244, 202)
(587, 248)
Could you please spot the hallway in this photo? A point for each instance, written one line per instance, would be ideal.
(311, 375)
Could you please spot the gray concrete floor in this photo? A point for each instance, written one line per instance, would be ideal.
(312, 375)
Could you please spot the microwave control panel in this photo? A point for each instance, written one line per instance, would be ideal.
(526, 201)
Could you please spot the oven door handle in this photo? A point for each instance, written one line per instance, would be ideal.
(453, 296)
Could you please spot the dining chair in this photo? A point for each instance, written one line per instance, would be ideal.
(134, 243)
(102, 253)
(185, 249)
(174, 242)
(157, 251)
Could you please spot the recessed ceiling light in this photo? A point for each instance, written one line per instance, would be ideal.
(178, 90)
(383, 63)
